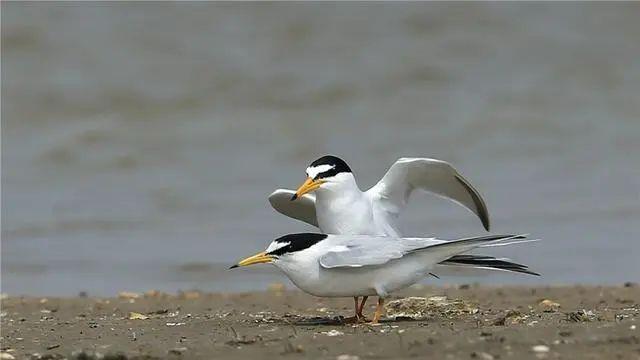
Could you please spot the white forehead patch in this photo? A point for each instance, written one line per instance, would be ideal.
(312, 172)
(276, 245)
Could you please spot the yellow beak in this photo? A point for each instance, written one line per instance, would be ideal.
(259, 258)
(308, 186)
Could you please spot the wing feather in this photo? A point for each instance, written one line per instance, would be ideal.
(303, 209)
(435, 176)
(359, 251)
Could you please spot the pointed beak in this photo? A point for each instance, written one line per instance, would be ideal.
(308, 186)
(259, 258)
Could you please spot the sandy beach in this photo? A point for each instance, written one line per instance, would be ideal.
(460, 322)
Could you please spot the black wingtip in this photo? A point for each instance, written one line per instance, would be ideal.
(481, 207)
(294, 197)
(531, 273)
(233, 267)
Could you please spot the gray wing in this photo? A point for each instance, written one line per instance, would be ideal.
(435, 176)
(358, 251)
(303, 209)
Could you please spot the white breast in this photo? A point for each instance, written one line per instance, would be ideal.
(348, 215)
(308, 275)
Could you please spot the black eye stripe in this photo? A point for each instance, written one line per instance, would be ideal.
(326, 174)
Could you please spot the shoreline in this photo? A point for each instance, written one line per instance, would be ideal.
(462, 322)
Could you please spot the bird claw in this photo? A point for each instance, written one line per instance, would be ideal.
(358, 319)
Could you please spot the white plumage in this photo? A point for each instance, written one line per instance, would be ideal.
(366, 254)
(346, 265)
(340, 207)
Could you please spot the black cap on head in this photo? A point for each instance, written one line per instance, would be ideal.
(296, 242)
(336, 164)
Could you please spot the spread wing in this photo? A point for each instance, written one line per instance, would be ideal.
(435, 176)
(359, 251)
(303, 209)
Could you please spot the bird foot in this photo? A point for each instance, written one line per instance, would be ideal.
(358, 319)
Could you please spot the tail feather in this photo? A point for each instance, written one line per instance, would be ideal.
(488, 262)
(483, 261)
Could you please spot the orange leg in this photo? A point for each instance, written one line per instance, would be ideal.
(356, 318)
(359, 315)
(379, 310)
(361, 307)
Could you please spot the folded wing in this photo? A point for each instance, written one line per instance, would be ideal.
(359, 251)
(392, 192)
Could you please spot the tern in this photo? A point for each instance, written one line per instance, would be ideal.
(340, 207)
(331, 200)
(363, 265)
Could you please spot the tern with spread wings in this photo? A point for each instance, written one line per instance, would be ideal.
(331, 199)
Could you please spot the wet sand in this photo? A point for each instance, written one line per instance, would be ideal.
(447, 322)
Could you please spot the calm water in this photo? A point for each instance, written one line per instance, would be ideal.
(140, 141)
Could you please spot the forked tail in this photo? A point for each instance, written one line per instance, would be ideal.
(484, 261)
(489, 263)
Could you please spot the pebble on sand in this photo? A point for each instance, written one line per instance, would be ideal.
(137, 316)
(177, 351)
(347, 357)
(333, 332)
(549, 305)
(482, 355)
(540, 349)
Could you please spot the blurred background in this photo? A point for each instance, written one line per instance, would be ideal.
(140, 140)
